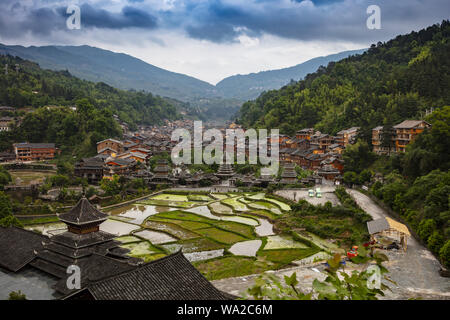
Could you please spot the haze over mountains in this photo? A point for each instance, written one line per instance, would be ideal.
(126, 72)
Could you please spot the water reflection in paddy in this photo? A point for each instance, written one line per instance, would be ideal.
(204, 211)
(138, 213)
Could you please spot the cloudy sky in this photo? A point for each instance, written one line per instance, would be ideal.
(213, 39)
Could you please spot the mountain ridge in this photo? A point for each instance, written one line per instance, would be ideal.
(257, 82)
(126, 72)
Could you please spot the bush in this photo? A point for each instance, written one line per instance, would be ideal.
(444, 254)
(13, 295)
(426, 228)
(435, 241)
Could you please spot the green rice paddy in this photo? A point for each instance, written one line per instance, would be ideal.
(199, 222)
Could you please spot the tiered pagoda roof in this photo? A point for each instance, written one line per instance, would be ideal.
(82, 244)
(83, 213)
(289, 175)
(161, 170)
(225, 171)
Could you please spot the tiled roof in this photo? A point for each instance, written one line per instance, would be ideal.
(377, 225)
(79, 241)
(83, 213)
(170, 278)
(407, 124)
(113, 140)
(18, 246)
(35, 145)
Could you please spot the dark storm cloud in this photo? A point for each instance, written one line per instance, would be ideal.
(223, 20)
(330, 20)
(17, 19)
(128, 17)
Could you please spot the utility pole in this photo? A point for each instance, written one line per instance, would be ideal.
(6, 69)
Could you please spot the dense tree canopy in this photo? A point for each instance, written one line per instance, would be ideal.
(34, 87)
(389, 83)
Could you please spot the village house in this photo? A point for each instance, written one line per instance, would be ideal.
(347, 136)
(377, 142)
(305, 133)
(109, 146)
(90, 169)
(388, 228)
(117, 166)
(406, 132)
(402, 134)
(6, 123)
(288, 176)
(34, 151)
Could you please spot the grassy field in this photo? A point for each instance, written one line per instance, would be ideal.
(221, 235)
(24, 177)
(232, 266)
(286, 256)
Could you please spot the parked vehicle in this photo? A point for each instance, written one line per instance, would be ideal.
(318, 193)
(311, 193)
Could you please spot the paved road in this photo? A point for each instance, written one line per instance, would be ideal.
(367, 204)
(415, 271)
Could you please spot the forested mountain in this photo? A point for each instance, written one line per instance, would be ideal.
(126, 72)
(35, 87)
(49, 118)
(116, 69)
(251, 85)
(390, 82)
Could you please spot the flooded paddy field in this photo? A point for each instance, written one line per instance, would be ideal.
(222, 234)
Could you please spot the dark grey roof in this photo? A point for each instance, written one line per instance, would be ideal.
(18, 246)
(170, 278)
(83, 213)
(408, 124)
(34, 145)
(79, 241)
(95, 268)
(378, 225)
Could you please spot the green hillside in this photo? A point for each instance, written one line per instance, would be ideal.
(251, 85)
(116, 69)
(34, 89)
(390, 82)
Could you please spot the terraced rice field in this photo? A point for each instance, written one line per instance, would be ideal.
(279, 242)
(118, 228)
(282, 205)
(219, 208)
(205, 227)
(235, 204)
(263, 205)
(222, 234)
(155, 237)
(172, 229)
